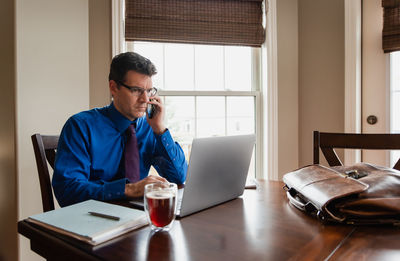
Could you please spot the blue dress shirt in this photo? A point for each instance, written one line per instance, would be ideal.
(90, 149)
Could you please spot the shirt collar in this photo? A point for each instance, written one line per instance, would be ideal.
(121, 123)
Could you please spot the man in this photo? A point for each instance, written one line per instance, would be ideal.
(92, 159)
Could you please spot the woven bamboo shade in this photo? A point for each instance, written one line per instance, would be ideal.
(391, 25)
(222, 22)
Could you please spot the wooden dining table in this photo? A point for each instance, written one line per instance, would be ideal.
(259, 225)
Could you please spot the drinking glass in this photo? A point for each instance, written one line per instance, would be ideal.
(160, 205)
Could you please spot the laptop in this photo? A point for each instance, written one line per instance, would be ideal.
(217, 172)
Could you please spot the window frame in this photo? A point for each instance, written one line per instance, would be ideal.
(266, 116)
(255, 92)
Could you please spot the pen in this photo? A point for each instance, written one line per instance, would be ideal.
(103, 215)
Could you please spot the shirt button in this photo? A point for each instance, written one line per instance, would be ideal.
(167, 144)
(174, 159)
(109, 195)
(118, 193)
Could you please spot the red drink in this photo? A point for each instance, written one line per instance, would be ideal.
(161, 207)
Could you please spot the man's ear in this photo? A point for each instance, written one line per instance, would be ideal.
(113, 87)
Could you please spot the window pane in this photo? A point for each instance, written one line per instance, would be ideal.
(209, 68)
(154, 52)
(394, 100)
(186, 67)
(180, 119)
(396, 111)
(238, 68)
(240, 114)
(179, 67)
(395, 91)
(394, 157)
(395, 70)
(210, 116)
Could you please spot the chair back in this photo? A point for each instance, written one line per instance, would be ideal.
(329, 141)
(45, 147)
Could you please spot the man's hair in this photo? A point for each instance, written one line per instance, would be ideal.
(124, 62)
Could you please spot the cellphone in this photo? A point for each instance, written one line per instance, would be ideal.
(151, 110)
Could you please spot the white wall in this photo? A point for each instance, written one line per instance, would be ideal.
(52, 84)
(321, 72)
(288, 86)
(375, 79)
(310, 76)
(99, 51)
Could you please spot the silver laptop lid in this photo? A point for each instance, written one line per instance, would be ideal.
(217, 171)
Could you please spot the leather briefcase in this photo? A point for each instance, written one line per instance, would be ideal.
(358, 194)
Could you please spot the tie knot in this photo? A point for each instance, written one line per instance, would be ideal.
(131, 128)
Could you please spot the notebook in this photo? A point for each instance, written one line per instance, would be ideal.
(217, 173)
(75, 221)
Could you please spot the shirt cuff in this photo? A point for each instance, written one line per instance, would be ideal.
(115, 190)
(166, 139)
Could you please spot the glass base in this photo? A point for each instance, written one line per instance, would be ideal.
(157, 229)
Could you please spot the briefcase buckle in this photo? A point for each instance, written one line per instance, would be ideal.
(355, 174)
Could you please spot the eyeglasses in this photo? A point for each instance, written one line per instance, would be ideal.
(137, 91)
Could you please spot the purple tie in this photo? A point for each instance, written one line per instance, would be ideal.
(131, 156)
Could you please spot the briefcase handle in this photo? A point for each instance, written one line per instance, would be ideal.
(302, 204)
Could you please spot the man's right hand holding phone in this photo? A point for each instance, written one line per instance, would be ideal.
(157, 118)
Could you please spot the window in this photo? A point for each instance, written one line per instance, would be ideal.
(394, 100)
(208, 90)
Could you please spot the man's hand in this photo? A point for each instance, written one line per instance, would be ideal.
(157, 121)
(136, 189)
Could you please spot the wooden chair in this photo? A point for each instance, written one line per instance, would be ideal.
(329, 141)
(45, 151)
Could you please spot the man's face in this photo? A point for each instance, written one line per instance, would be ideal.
(130, 104)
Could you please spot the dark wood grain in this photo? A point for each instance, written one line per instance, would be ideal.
(260, 225)
(50, 246)
(45, 147)
(370, 243)
(328, 142)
